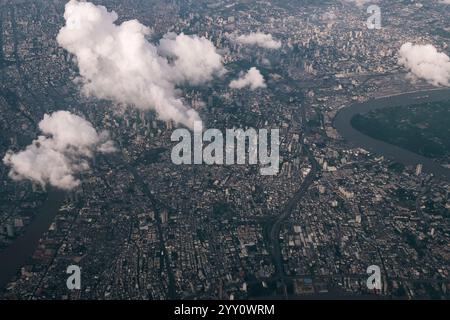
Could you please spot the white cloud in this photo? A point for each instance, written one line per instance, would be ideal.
(359, 3)
(329, 17)
(62, 151)
(444, 1)
(196, 59)
(117, 63)
(425, 62)
(253, 79)
(258, 39)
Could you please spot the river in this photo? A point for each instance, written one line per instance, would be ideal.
(357, 139)
(21, 250)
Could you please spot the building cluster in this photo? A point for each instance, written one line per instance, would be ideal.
(141, 227)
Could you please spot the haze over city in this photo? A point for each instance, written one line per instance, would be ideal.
(224, 150)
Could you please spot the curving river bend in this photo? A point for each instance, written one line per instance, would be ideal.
(357, 139)
(17, 254)
(21, 250)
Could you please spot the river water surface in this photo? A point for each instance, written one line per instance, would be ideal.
(21, 250)
(357, 139)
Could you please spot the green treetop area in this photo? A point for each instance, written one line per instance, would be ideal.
(422, 128)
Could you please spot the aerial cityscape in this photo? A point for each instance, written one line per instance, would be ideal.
(346, 169)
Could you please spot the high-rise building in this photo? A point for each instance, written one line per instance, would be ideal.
(10, 230)
(419, 169)
(164, 217)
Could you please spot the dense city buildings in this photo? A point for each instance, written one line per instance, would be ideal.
(141, 227)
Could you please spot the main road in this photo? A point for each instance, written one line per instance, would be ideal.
(274, 225)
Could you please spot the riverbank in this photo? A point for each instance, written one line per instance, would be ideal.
(342, 123)
(21, 250)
